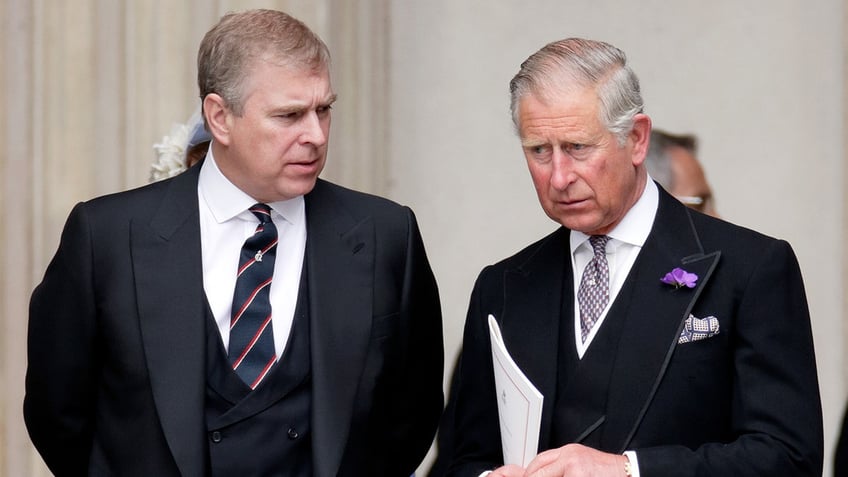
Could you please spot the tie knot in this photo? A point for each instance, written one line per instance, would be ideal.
(599, 244)
(262, 212)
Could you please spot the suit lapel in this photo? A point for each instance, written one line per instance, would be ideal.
(654, 319)
(532, 313)
(169, 285)
(340, 256)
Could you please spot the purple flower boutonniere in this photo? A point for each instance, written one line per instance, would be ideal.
(680, 278)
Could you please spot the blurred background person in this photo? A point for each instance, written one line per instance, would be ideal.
(672, 161)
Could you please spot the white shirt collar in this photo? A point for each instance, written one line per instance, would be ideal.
(636, 225)
(226, 201)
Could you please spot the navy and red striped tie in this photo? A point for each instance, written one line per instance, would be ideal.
(251, 351)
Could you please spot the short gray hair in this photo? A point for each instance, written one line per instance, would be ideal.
(577, 62)
(229, 50)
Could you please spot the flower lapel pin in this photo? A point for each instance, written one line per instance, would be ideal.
(680, 278)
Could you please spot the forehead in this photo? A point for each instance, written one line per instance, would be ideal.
(687, 170)
(564, 112)
(271, 79)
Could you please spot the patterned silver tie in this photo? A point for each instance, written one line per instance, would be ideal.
(593, 294)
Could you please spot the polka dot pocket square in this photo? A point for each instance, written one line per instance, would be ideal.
(697, 329)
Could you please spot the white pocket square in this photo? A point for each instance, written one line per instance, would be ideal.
(696, 329)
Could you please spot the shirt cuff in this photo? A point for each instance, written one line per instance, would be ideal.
(634, 463)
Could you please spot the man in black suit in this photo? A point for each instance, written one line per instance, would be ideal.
(665, 342)
(144, 361)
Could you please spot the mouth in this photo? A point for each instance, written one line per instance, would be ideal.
(306, 164)
(571, 202)
(302, 170)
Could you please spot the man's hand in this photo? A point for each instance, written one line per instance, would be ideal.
(507, 471)
(575, 460)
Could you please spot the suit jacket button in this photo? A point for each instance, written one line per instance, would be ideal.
(216, 437)
(293, 434)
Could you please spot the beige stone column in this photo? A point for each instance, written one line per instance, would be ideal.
(17, 85)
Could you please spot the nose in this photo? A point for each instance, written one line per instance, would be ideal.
(314, 130)
(562, 170)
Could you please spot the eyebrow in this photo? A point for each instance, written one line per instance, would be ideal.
(330, 100)
(298, 107)
(526, 142)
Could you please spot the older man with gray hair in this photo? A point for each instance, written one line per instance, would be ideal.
(665, 342)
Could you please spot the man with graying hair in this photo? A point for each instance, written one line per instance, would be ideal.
(666, 343)
(243, 318)
(672, 163)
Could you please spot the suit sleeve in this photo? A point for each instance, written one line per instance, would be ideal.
(415, 414)
(776, 409)
(60, 389)
(470, 439)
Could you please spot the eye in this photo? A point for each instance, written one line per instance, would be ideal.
(290, 116)
(577, 150)
(539, 150)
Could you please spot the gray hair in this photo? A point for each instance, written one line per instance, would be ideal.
(229, 50)
(658, 160)
(580, 63)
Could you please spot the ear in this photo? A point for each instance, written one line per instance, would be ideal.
(640, 135)
(218, 118)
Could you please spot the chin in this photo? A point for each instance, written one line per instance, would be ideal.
(300, 187)
(588, 227)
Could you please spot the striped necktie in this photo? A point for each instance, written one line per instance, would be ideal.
(251, 350)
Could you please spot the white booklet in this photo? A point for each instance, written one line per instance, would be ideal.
(519, 404)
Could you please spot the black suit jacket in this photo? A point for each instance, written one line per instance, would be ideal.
(744, 402)
(116, 375)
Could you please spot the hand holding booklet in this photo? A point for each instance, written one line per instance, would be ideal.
(519, 404)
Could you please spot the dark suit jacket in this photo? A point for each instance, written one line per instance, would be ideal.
(840, 455)
(115, 382)
(742, 403)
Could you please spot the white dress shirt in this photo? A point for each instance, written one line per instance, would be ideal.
(626, 240)
(225, 223)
